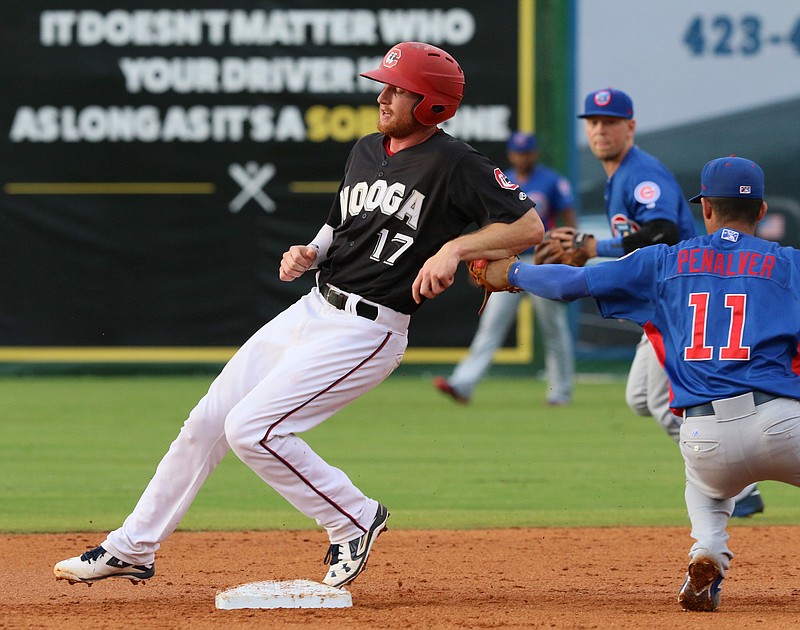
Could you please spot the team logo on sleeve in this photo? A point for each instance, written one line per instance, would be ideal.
(623, 226)
(647, 193)
(504, 182)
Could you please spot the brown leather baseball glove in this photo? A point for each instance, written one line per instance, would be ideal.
(492, 276)
(565, 246)
(550, 251)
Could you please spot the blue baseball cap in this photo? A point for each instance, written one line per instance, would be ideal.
(608, 102)
(523, 142)
(732, 176)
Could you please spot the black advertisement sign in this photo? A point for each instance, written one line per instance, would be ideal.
(158, 160)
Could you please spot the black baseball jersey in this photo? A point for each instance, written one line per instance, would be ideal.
(393, 212)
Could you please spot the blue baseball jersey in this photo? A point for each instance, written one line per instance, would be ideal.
(642, 190)
(549, 190)
(722, 312)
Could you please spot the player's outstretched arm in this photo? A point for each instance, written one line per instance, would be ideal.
(296, 261)
(495, 241)
(501, 240)
(554, 282)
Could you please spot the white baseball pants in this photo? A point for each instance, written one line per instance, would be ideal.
(647, 388)
(740, 445)
(298, 370)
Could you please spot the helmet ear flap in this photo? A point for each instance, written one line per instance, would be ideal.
(424, 117)
(421, 113)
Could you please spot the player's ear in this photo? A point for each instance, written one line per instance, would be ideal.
(762, 211)
(708, 209)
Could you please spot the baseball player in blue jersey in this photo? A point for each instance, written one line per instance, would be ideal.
(555, 203)
(645, 206)
(723, 314)
(394, 236)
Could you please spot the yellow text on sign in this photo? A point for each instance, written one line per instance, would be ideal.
(342, 123)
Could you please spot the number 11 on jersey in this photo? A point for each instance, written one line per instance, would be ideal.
(734, 350)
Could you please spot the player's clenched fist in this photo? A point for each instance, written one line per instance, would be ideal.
(437, 274)
(296, 261)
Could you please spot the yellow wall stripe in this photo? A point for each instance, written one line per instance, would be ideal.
(109, 188)
(526, 79)
(522, 353)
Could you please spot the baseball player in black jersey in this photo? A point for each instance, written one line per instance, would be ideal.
(394, 236)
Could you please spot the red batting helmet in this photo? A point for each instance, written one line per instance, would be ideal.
(427, 71)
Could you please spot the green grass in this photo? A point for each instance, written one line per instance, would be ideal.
(76, 452)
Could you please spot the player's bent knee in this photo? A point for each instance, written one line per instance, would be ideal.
(244, 433)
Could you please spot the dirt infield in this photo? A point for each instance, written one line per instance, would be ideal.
(512, 578)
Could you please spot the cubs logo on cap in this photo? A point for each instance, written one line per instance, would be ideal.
(607, 102)
(733, 177)
(602, 98)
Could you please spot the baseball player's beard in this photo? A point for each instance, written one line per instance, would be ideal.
(397, 127)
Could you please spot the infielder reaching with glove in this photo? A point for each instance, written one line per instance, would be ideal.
(723, 314)
(394, 236)
(645, 206)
